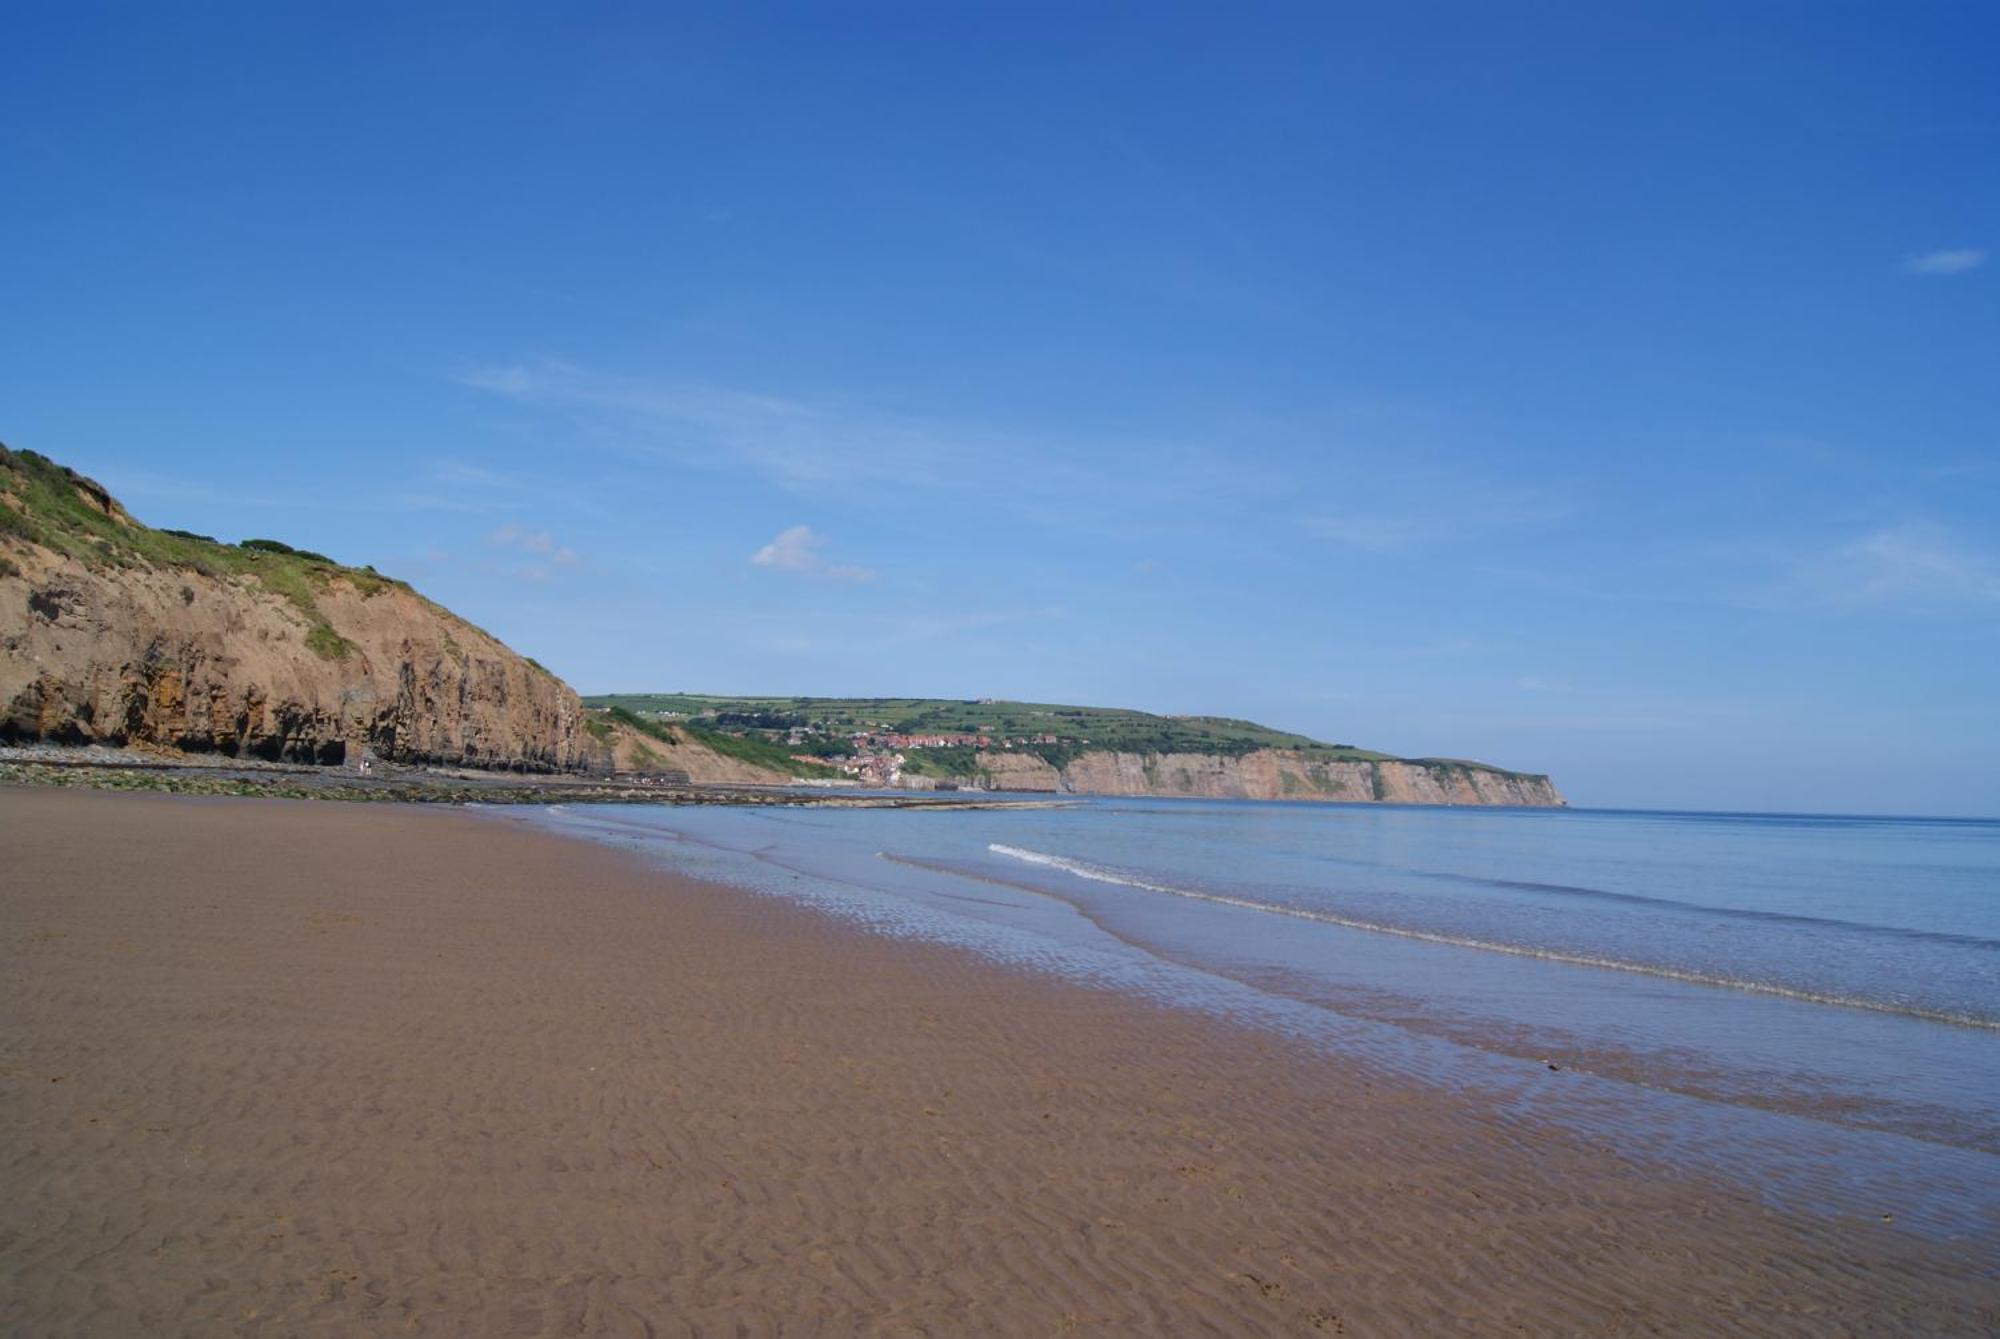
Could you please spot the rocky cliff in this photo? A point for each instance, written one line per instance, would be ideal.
(114, 632)
(669, 751)
(1268, 774)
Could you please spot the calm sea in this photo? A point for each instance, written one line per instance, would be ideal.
(1812, 1003)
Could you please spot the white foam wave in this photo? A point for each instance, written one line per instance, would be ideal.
(1100, 874)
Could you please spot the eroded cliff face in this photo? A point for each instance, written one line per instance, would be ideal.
(174, 657)
(630, 751)
(1267, 774)
(113, 632)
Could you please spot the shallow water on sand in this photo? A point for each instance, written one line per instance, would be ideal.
(1810, 1003)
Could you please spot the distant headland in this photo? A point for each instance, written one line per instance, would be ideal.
(989, 744)
(125, 635)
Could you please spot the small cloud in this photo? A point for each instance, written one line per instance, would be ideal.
(796, 549)
(1955, 261)
(792, 551)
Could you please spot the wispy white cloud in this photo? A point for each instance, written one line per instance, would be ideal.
(138, 487)
(862, 453)
(461, 474)
(1962, 469)
(1912, 566)
(460, 487)
(409, 501)
(945, 624)
(1454, 514)
(797, 444)
(832, 636)
(1378, 533)
(529, 539)
(1915, 563)
(796, 549)
(545, 555)
(1440, 648)
(1956, 260)
(1098, 489)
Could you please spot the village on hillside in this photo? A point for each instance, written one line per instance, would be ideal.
(883, 758)
(940, 743)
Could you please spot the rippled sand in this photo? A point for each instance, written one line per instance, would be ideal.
(285, 1067)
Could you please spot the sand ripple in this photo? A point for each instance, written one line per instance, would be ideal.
(318, 1069)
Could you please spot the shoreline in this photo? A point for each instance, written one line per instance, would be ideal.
(178, 775)
(1842, 1147)
(345, 1068)
(159, 768)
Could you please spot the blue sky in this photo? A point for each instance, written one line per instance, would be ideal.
(1605, 390)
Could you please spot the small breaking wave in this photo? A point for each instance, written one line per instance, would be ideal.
(1676, 904)
(1102, 874)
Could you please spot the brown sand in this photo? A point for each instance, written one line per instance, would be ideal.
(293, 1068)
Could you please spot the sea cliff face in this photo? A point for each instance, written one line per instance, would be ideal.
(282, 656)
(183, 660)
(630, 751)
(112, 632)
(1267, 774)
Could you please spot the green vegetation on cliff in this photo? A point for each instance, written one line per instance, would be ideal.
(953, 761)
(1072, 729)
(752, 749)
(48, 509)
(50, 505)
(1058, 734)
(120, 633)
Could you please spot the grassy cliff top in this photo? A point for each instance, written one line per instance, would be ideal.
(53, 506)
(1115, 728)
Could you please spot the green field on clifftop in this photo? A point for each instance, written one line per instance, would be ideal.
(1074, 729)
(45, 504)
(1114, 728)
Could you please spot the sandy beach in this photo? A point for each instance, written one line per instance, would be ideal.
(284, 1067)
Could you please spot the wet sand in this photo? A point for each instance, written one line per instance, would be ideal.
(290, 1067)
